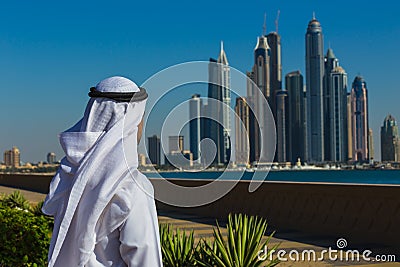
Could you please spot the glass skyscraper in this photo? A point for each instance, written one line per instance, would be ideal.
(297, 117)
(314, 81)
(219, 124)
(196, 126)
(242, 120)
(390, 140)
(359, 120)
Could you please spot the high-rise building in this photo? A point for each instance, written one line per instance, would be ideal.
(154, 150)
(219, 124)
(51, 158)
(390, 140)
(260, 77)
(314, 81)
(12, 158)
(175, 143)
(283, 152)
(337, 115)
(331, 62)
(242, 123)
(349, 129)
(274, 42)
(359, 120)
(371, 149)
(297, 116)
(142, 160)
(196, 127)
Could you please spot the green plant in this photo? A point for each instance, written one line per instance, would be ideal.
(243, 244)
(16, 200)
(177, 248)
(24, 237)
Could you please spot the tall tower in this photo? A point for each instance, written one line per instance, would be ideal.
(371, 150)
(154, 150)
(225, 76)
(219, 92)
(242, 120)
(314, 81)
(274, 42)
(260, 75)
(282, 148)
(349, 129)
(195, 125)
(359, 120)
(390, 140)
(331, 62)
(337, 116)
(297, 116)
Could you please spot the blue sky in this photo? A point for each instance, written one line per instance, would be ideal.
(51, 52)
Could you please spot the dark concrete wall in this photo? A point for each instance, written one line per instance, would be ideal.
(363, 214)
(367, 214)
(33, 182)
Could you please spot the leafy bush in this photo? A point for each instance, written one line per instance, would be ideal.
(16, 200)
(177, 248)
(24, 236)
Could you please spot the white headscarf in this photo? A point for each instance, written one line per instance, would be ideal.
(101, 154)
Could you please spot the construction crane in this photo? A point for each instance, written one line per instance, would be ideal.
(277, 21)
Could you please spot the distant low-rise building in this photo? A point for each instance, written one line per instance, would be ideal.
(51, 158)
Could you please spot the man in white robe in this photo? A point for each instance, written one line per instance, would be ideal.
(103, 207)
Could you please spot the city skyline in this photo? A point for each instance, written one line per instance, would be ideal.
(35, 52)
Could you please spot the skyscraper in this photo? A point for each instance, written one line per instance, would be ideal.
(371, 150)
(274, 42)
(359, 120)
(281, 119)
(390, 140)
(175, 143)
(331, 62)
(315, 102)
(260, 75)
(349, 129)
(218, 108)
(337, 116)
(51, 158)
(12, 158)
(242, 123)
(297, 116)
(195, 125)
(154, 150)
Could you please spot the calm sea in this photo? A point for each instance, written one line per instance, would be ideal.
(339, 176)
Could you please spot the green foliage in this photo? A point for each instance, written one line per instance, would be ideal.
(177, 248)
(240, 249)
(24, 235)
(244, 242)
(16, 200)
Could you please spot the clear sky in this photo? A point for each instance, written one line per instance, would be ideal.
(51, 52)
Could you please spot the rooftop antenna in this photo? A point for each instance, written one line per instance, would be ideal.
(265, 24)
(277, 21)
(313, 15)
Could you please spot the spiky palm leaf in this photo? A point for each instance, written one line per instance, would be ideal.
(243, 244)
(177, 248)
